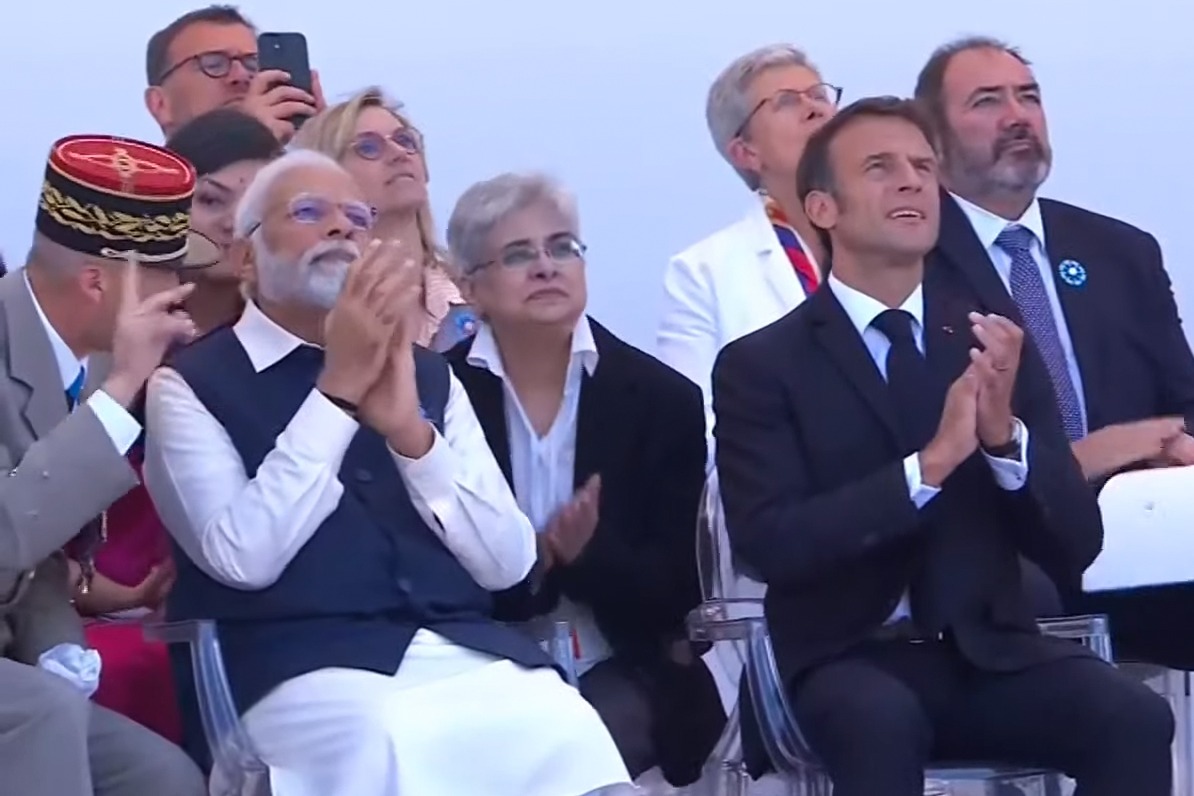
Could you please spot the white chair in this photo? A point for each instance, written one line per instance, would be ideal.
(738, 622)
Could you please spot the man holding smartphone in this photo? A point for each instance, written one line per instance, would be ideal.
(207, 59)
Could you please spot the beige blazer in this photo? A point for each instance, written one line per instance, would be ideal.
(58, 471)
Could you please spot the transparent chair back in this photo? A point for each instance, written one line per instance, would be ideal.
(729, 616)
(237, 768)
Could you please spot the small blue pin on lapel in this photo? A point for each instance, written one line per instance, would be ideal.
(1072, 272)
(466, 323)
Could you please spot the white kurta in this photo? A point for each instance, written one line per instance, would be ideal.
(450, 721)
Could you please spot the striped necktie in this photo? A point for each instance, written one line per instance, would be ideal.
(806, 272)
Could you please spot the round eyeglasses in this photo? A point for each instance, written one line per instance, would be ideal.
(216, 64)
(371, 145)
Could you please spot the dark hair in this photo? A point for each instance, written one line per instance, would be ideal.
(930, 83)
(158, 50)
(222, 137)
(815, 172)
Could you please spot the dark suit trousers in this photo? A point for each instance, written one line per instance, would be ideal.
(621, 696)
(877, 717)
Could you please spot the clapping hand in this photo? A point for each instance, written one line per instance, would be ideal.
(391, 405)
(995, 366)
(358, 329)
(569, 531)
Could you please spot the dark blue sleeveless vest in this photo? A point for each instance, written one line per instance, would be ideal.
(370, 576)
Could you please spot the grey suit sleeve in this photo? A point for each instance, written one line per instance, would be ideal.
(45, 617)
(63, 481)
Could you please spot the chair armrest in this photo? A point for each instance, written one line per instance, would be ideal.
(728, 619)
(555, 637)
(227, 740)
(1093, 631)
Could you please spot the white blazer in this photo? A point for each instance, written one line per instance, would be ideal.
(733, 282)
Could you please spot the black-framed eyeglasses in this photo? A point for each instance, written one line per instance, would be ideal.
(561, 249)
(787, 99)
(314, 209)
(371, 146)
(216, 64)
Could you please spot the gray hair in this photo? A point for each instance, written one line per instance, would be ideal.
(250, 211)
(728, 105)
(486, 204)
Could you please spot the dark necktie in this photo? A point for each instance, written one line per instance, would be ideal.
(911, 390)
(1028, 291)
(908, 382)
(75, 389)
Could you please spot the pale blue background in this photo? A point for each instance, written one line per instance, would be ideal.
(610, 97)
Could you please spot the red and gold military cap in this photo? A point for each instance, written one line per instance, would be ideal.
(108, 197)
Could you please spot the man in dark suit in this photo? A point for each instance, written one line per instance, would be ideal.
(885, 458)
(604, 447)
(1091, 292)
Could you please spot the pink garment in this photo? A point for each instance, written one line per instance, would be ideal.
(440, 294)
(136, 539)
(136, 679)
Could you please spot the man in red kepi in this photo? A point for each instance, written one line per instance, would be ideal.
(102, 279)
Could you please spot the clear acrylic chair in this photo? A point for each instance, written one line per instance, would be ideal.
(237, 768)
(737, 622)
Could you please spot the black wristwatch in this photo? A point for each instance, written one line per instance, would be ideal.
(345, 406)
(1009, 449)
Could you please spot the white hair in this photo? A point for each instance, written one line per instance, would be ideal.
(486, 204)
(728, 106)
(250, 211)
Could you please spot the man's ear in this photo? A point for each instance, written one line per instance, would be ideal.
(159, 107)
(821, 209)
(242, 260)
(95, 281)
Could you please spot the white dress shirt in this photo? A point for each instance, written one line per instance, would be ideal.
(987, 227)
(243, 531)
(1011, 473)
(123, 429)
(543, 467)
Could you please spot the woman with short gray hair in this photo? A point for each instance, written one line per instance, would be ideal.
(761, 110)
(604, 448)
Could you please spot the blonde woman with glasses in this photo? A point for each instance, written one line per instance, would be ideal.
(375, 141)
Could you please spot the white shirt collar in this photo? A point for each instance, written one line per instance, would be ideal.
(265, 342)
(484, 352)
(987, 225)
(68, 364)
(863, 309)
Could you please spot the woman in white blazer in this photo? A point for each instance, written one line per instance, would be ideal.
(761, 110)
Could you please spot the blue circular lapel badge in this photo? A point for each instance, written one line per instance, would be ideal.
(466, 323)
(1072, 272)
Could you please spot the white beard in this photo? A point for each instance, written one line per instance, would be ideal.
(316, 279)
